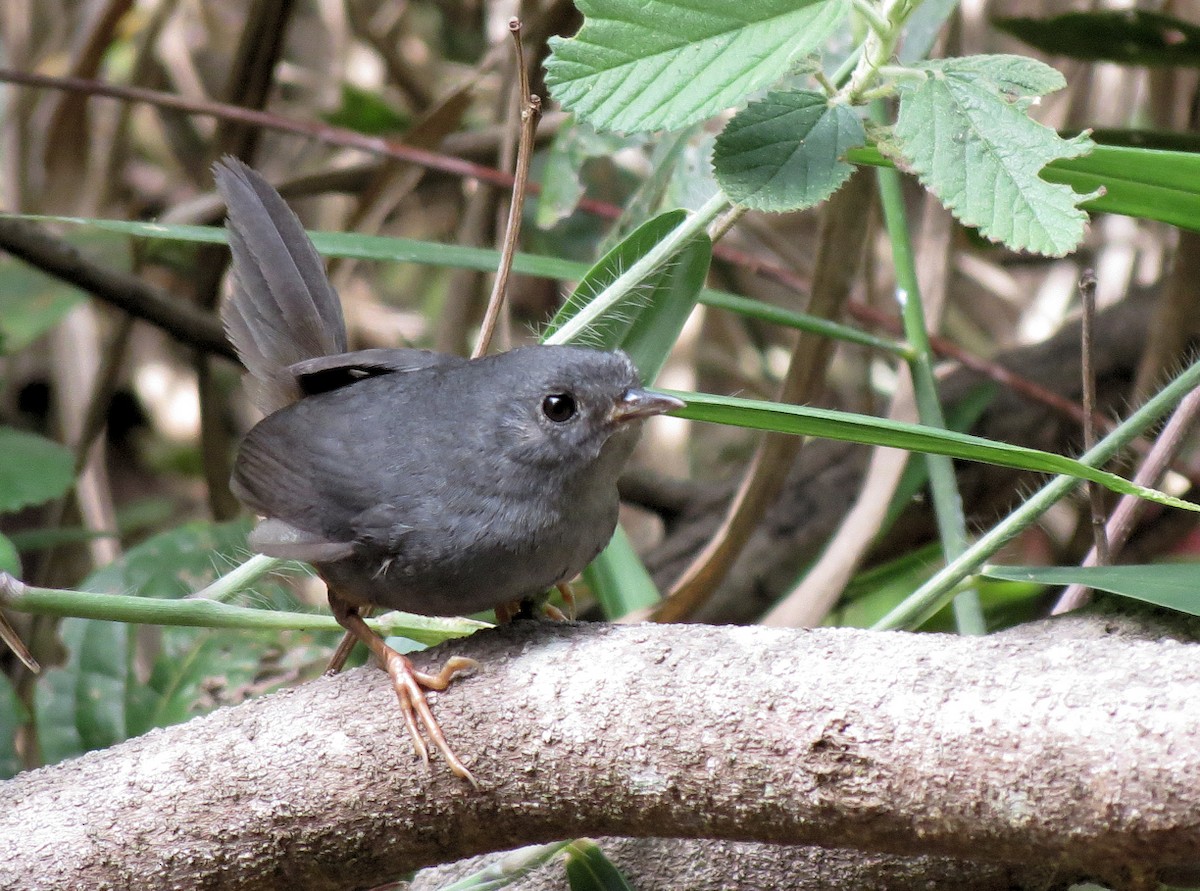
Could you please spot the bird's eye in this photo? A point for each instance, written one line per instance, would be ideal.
(559, 407)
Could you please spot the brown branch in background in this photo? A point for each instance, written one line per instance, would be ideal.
(1087, 297)
(823, 584)
(531, 107)
(327, 133)
(68, 139)
(54, 256)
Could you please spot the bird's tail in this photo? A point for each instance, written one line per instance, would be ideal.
(283, 309)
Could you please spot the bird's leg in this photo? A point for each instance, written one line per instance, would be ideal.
(410, 685)
(568, 596)
(342, 653)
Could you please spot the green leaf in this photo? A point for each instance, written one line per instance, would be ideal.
(805, 421)
(639, 65)
(1016, 76)
(785, 152)
(1145, 183)
(10, 560)
(589, 870)
(1126, 36)
(676, 287)
(507, 869)
(922, 28)
(574, 145)
(619, 580)
(1173, 585)
(647, 323)
(97, 698)
(964, 131)
(33, 469)
(610, 330)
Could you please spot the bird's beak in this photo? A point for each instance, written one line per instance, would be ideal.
(636, 403)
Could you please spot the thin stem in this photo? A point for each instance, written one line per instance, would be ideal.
(633, 277)
(870, 14)
(239, 579)
(1087, 297)
(531, 108)
(947, 502)
(198, 613)
(877, 48)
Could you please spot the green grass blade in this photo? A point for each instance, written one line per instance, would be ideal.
(1173, 585)
(845, 426)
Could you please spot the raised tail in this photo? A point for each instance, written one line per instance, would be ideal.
(283, 309)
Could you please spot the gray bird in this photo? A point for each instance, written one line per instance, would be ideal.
(409, 479)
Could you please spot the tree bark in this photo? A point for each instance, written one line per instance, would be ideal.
(1067, 744)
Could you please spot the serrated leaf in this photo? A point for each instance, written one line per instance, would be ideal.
(1015, 75)
(32, 469)
(1173, 585)
(785, 152)
(1137, 182)
(638, 66)
(981, 155)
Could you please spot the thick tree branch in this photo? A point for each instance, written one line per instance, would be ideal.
(1061, 745)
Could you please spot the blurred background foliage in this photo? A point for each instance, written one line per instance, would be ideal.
(116, 436)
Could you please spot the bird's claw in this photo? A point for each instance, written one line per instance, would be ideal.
(410, 686)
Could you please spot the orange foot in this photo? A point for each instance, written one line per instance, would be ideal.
(506, 612)
(410, 686)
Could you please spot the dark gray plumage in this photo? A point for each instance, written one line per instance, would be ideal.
(413, 480)
(409, 479)
(446, 489)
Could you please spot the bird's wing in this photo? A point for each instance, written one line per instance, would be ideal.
(283, 309)
(325, 373)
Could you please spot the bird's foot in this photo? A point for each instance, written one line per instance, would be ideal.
(528, 607)
(568, 597)
(410, 686)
